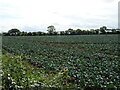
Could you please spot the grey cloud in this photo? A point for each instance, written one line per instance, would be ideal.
(108, 0)
(8, 17)
(32, 28)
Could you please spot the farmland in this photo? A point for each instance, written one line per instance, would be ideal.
(73, 61)
(0, 61)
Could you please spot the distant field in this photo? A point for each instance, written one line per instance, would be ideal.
(79, 61)
(0, 62)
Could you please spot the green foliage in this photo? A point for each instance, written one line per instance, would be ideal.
(81, 61)
(19, 74)
(102, 29)
(51, 29)
(14, 31)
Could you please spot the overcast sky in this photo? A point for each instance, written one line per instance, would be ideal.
(37, 15)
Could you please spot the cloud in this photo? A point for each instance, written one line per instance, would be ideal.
(33, 15)
(108, 1)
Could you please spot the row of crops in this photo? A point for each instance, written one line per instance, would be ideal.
(88, 60)
(0, 62)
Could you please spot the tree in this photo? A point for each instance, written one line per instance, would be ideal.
(78, 31)
(14, 32)
(97, 31)
(70, 31)
(29, 34)
(34, 33)
(5, 34)
(39, 33)
(62, 32)
(102, 29)
(23, 33)
(51, 29)
(113, 30)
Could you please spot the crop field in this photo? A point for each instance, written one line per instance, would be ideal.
(0, 62)
(71, 62)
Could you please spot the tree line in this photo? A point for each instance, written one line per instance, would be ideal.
(52, 31)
